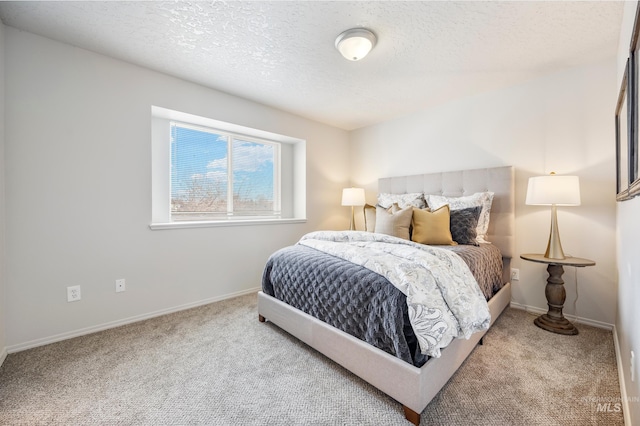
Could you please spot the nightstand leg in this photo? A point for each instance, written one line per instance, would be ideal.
(553, 320)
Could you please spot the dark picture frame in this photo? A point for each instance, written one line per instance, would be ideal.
(623, 136)
(633, 76)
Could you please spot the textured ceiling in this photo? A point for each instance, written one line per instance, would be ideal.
(282, 53)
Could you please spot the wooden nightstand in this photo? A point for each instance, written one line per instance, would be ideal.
(553, 320)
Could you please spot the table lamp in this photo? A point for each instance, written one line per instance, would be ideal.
(353, 197)
(553, 190)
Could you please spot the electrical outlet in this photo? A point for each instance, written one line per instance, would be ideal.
(120, 285)
(515, 274)
(633, 366)
(73, 293)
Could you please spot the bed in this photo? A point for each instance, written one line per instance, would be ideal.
(412, 382)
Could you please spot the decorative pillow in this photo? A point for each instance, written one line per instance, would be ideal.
(463, 225)
(432, 227)
(415, 199)
(369, 218)
(483, 199)
(393, 221)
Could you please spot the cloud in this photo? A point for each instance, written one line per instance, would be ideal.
(217, 176)
(250, 156)
(220, 163)
(247, 157)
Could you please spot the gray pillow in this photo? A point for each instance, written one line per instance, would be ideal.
(464, 224)
(483, 199)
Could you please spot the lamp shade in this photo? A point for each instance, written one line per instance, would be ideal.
(356, 43)
(353, 197)
(553, 190)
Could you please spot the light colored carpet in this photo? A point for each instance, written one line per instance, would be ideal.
(217, 365)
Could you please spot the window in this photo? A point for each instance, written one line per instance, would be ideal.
(206, 173)
(207, 165)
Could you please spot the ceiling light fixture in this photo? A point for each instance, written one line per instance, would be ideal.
(356, 43)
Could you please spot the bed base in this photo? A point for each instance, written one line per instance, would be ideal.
(412, 387)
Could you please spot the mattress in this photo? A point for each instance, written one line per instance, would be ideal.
(360, 302)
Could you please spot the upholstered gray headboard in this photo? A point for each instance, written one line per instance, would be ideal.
(499, 180)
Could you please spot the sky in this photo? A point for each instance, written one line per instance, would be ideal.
(200, 157)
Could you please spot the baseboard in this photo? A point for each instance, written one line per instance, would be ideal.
(572, 318)
(623, 386)
(113, 324)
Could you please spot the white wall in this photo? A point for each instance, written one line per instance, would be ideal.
(78, 193)
(562, 123)
(2, 204)
(628, 248)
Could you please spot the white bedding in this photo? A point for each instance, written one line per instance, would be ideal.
(443, 297)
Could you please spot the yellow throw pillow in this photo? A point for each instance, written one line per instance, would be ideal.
(432, 227)
(369, 218)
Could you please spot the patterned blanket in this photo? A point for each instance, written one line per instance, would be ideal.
(442, 295)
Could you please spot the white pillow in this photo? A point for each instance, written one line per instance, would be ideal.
(414, 199)
(483, 199)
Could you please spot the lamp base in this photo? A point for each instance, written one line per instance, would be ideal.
(352, 226)
(554, 246)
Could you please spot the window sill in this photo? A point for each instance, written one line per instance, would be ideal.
(217, 223)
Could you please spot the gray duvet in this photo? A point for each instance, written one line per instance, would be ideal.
(361, 302)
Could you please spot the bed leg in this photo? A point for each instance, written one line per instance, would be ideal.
(411, 415)
(261, 318)
(481, 342)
